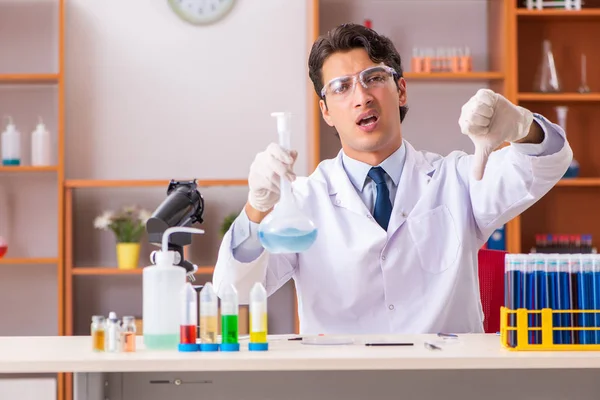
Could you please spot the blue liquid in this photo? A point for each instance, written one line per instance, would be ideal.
(289, 240)
(572, 171)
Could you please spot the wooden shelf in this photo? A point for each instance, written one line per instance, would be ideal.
(29, 78)
(557, 97)
(26, 260)
(92, 183)
(579, 182)
(584, 13)
(466, 76)
(115, 271)
(28, 168)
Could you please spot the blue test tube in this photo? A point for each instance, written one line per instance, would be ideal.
(596, 295)
(575, 274)
(564, 296)
(552, 294)
(530, 294)
(512, 265)
(584, 298)
(541, 289)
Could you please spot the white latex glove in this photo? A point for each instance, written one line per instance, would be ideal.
(265, 174)
(489, 120)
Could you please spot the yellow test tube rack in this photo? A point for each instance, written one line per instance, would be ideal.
(547, 328)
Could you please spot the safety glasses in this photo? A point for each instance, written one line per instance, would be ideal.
(373, 77)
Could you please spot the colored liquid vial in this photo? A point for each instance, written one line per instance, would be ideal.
(128, 334)
(98, 332)
(229, 319)
(209, 314)
(189, 319)
(258, 318)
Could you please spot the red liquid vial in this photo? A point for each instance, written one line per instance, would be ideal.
(3, 247)
(187, 334)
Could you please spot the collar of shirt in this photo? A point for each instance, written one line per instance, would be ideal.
(357, 170)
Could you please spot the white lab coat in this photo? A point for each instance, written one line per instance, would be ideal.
(421, 275)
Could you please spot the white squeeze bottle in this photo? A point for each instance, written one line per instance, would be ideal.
(11, 145)
(40, 145)
(161, 289)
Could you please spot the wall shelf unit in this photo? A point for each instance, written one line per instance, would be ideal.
(569, 208)
(32, 78)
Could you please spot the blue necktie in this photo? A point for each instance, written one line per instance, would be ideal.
(383, 205)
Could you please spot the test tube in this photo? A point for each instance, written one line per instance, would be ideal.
(229, 319)
(189, 319)
(98, 331)
(209, 314)
(258, 318)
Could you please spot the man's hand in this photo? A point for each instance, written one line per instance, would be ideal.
(264, 178)
(489, 120)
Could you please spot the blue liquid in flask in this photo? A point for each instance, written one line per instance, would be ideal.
(288, 240)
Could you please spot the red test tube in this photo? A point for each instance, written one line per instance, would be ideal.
(189, 319)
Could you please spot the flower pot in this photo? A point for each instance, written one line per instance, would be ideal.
(128, 255)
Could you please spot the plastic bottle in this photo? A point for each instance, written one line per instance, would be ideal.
(229, 319)
(40, 145)
(189, 319)
(11, 145)
(113, 334)
(209, 314)
(162, 286)
(258, 318)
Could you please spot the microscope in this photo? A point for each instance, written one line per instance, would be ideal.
(184, 206)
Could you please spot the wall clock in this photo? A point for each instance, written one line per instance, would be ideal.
(201, 12)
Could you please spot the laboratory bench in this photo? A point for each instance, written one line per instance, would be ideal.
(471, 366)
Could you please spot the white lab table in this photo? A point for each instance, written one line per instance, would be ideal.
(470, 367)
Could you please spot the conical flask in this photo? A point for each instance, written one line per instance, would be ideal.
(286, 229)
(547, 78)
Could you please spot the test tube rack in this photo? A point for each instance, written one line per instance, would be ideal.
(565, 4)
(441, 60)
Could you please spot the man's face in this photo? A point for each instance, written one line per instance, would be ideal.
(367, 119)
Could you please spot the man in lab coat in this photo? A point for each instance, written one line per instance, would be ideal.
(398, 229)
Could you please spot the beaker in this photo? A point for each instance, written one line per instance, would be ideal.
(286, 229)
(547, 78)
(561, 113)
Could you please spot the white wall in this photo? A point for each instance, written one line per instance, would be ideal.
(151, 96)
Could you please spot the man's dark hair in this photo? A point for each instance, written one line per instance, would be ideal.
(347, 37)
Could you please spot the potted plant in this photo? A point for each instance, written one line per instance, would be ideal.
(227, 223)
(128, 225)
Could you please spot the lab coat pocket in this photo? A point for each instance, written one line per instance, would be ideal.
(435, 238)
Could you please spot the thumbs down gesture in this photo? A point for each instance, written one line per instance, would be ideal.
(489, 120)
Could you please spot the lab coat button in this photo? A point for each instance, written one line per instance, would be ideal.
(383, 257)
(369, 216)
(391, 306)
(337, 202)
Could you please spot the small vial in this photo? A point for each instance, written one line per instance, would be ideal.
(229, 319)
(113, 333)
(258, 318)
(128, 333)
(189, 319)
(98, 330)
(209, 314)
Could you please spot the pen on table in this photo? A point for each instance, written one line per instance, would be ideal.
(389, 344)
(432, 346)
